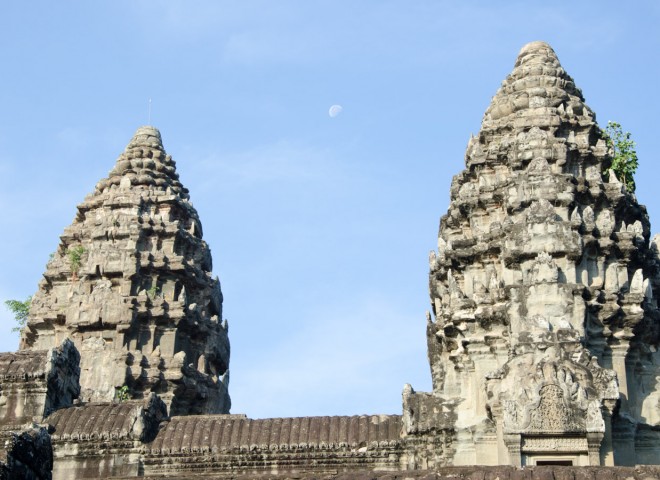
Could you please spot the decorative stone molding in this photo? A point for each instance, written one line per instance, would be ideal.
(554, 444)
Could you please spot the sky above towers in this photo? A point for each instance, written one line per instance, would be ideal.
(319, 225)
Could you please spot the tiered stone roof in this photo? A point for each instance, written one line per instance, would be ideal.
(236, 433)
(23, 365)
(96, 422)
(131, 284)
(545, 279)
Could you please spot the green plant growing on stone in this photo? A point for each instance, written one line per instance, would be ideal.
(624, 157)
(122, 394)
(20, 310)
(75, 258)
(153, 292)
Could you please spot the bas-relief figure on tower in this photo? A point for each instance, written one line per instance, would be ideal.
(542, 338)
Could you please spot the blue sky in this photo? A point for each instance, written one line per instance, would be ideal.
(320, 227)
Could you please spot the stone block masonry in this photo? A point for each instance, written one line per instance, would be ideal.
(131, 284)
(543, 333)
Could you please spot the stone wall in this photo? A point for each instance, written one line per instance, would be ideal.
(456, 473)
(100, 440)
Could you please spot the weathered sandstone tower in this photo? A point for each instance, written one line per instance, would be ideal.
(131, 285)
(544, 343)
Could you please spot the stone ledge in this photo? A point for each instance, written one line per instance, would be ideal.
(641, 472)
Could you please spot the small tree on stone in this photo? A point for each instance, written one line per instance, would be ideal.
(624, 157)
(75, 255)
(122, 393)
(20, 310)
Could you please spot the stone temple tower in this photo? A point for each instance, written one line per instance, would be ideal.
(130, 283)
(545, 332)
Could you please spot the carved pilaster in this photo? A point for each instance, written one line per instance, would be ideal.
(512, 442)
(606, 449)
(593, 445)
(619, 353)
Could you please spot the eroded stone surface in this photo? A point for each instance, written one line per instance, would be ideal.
(131, 284)
(35, 383)
(225, 443)
(543, 339)
(451, 473)
(130, 419)
(544, 286)
(27, 455)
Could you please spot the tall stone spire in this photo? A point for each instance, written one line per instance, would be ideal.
(131, 284)
(543, 289)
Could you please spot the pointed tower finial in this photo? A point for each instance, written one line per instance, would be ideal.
(146, 136)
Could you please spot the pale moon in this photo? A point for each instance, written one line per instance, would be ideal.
(335, 110)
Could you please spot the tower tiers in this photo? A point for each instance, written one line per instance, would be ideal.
(130, 283)
(543, 287)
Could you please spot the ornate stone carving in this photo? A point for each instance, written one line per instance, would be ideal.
(552, 401)
(554, 444)
(131, 285)
(542, 291)
(574, 273)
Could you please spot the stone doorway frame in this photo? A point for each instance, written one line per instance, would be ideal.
(582, 450)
